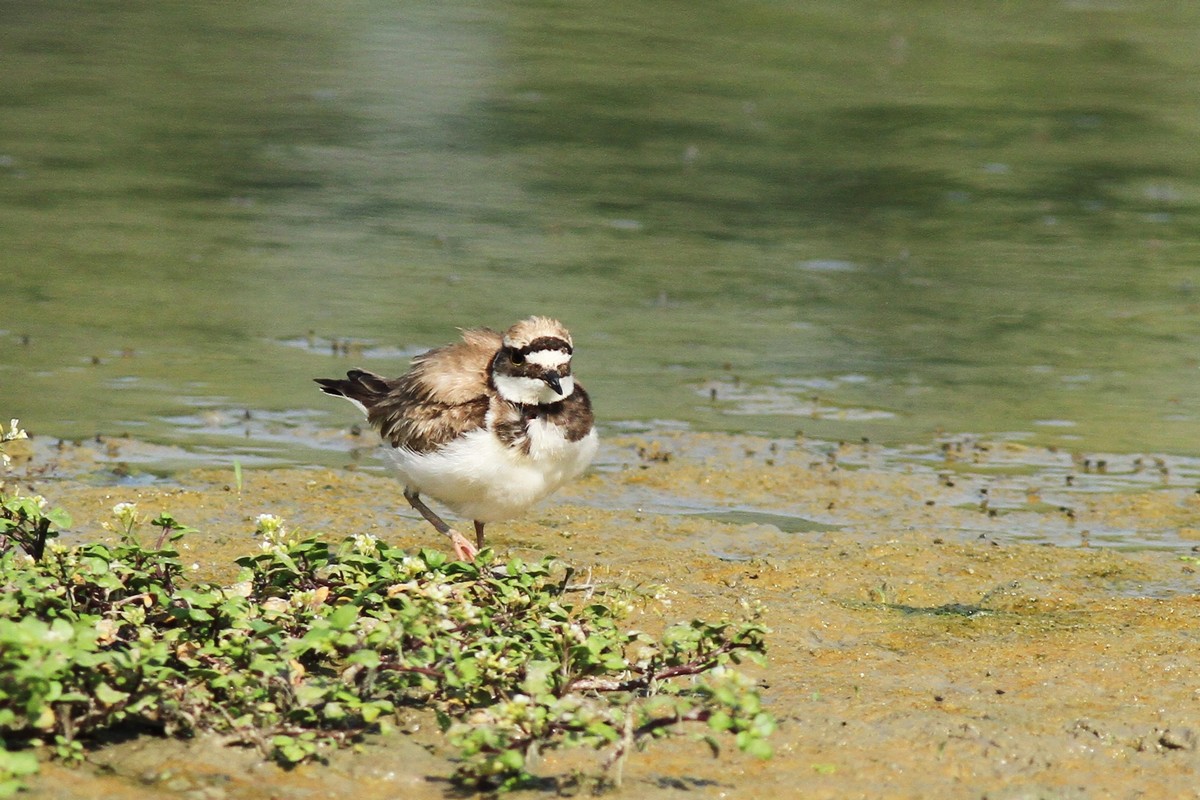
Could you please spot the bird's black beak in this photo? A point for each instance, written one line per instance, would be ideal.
(551, 379)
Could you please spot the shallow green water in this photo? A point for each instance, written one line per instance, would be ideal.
(856, 219)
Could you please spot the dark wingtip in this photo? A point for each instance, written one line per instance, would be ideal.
(329, 386)
(358, 385)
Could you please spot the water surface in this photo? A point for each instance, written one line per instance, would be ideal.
(852, 219)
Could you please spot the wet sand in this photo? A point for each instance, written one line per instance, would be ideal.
(929, 639)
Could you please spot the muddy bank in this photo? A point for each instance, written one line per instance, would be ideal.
(962, 625)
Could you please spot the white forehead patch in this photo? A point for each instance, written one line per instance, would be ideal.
(549, 359)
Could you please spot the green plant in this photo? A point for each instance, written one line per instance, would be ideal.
(14, 768)
(316, 644)
(26, 521)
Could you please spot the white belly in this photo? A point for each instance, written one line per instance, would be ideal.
(480, 478)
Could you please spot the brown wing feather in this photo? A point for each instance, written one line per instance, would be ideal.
(426, 426)
(444, 395)
(456, 373)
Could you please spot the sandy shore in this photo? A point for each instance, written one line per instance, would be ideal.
(939, 628)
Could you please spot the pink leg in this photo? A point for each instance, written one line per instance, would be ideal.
(462, 548)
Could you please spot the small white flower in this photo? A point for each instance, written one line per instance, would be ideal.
(412, 567)
(14, 432)
(468, 612)
(366, 544)
(267, 524)
(273, 532)
(126, 514)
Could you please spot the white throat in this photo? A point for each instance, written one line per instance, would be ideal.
(531, 391)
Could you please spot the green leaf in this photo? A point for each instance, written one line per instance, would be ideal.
(59, 518)
(759, 748)
(720, 721)
(365, 657)
(109, 696)
(433, 558)
(513, 760)
(190, 614)
(764, 724)
(371, 712)
(343, 617)
(18, 763)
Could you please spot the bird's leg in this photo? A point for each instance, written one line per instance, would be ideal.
(462, 548)
(479, 534)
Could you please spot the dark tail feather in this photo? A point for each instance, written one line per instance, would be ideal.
(359, 386)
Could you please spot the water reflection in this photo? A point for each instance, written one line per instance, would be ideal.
(971, 210)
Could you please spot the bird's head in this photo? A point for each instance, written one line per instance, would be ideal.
(533, 365)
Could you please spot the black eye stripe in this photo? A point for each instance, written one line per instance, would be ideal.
(528, 369)
(544, 343)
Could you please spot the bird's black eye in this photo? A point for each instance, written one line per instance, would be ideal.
(517, 357)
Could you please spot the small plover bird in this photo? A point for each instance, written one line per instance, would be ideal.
(487, 426)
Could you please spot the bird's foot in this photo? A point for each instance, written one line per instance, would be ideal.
(462, 547)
